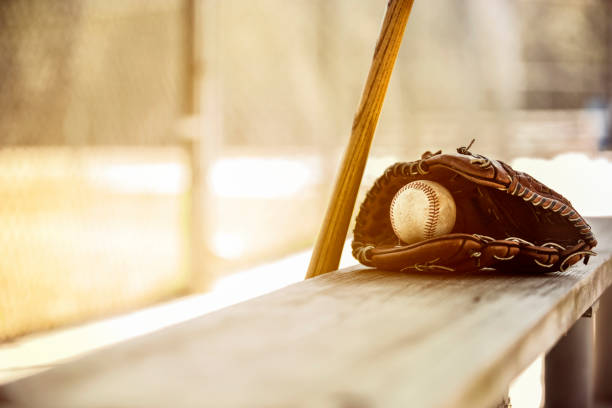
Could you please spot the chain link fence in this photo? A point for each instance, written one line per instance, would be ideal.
(94, 182)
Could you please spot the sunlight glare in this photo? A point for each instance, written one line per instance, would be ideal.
(228, 245)
(526, 390)
(566, 174)
(261, 177)
(142, 178)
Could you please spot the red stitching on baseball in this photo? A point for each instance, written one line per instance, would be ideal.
(434, 208)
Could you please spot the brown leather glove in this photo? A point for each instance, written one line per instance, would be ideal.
(505, 220)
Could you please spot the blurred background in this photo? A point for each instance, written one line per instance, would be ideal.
(161, 148)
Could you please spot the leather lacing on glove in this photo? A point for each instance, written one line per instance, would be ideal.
(505, 220)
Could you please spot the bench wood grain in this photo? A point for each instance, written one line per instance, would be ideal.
(352, 338)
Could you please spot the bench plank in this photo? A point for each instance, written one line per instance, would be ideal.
(357, 337)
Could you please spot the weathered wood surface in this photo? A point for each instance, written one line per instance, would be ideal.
(328, 248)
(357, 337)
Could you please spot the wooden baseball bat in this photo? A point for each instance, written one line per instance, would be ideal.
(328, 248)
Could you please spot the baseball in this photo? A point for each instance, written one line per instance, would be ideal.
(422, 210)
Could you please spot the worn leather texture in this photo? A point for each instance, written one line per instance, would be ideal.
(506, 220)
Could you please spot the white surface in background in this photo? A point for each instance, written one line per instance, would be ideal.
(264, 194)
(133, 170)
(255, 177)
(586, 182)
(526, 390)
(228, 245)
(140, 178)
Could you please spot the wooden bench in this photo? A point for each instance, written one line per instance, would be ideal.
(360, 337)
(352, 338)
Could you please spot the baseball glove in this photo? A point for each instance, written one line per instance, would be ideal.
(505, 220)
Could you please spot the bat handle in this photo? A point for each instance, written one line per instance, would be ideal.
(328, 248)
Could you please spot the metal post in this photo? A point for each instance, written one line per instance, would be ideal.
(603, 350)
(568, 368)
